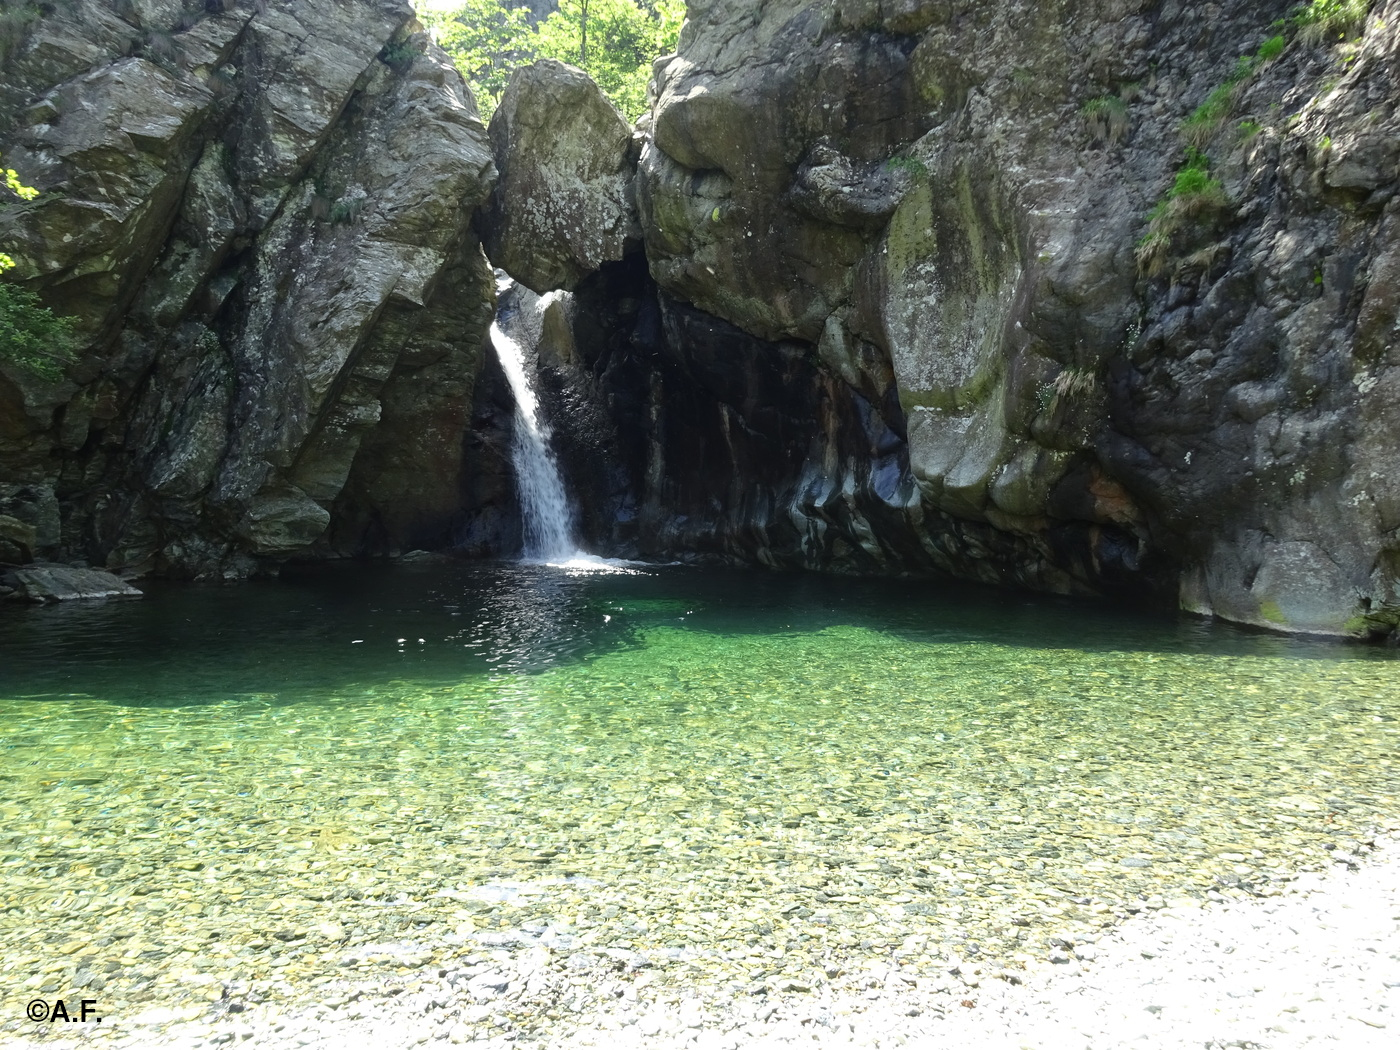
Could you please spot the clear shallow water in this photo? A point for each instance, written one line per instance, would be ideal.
(706, 764)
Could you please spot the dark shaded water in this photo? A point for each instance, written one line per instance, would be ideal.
(337, 628)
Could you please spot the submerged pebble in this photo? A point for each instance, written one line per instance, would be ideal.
(765, 815)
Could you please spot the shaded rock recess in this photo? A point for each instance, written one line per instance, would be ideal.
(874, 287)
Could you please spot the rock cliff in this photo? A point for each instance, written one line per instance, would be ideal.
(260, 214)
(1095, 298)
(939, 285)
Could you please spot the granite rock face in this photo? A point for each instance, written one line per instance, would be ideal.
(913, 213)
(877, 286)
(564, 203)
(261, 216)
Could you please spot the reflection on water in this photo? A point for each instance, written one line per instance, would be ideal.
(335, 628)
(727, 761)
(531, 618)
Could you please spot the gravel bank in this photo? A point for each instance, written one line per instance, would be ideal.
(1318, 965)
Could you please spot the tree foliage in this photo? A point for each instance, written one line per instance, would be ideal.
(486, 39)
(614, 41)
(31, 335)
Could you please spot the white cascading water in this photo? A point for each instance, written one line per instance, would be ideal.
(545, 513)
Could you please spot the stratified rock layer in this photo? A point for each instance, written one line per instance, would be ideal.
(261, 216)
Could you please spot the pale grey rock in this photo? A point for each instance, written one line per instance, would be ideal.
(61, 583)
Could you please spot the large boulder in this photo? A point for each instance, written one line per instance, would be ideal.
(63, 583)
(564, 202)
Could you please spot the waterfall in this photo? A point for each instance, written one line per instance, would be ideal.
(546, 516)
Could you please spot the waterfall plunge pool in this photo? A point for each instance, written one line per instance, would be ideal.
(684, 764)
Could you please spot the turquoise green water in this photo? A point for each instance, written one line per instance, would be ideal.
(197, 783)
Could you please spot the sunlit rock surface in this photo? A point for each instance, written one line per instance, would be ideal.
(564, 203)
(910, 199)
(261, 215)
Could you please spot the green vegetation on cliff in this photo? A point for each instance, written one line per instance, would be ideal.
(614, 41)
(1331, 20)
(31, 335)
(1195, 197)
(1210, 116)
(1107, 118)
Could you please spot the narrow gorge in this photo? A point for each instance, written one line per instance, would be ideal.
(899, 287)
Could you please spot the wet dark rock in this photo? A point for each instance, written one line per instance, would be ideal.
(17, 541)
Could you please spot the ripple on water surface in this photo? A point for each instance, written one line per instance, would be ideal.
(839, 770)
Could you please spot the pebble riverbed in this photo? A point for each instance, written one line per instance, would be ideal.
(1315, 964)
(698, 835)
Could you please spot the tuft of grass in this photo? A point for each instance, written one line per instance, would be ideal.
(1195, 196)
(1248, 129)
(1072, 384)
(1075, 382)
(1195, 190)
(1207, 118)
(1107, 118)
(1153, 253)
(1022, 83)
(1210, 116)
(1273, 47)
(1330, 20)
